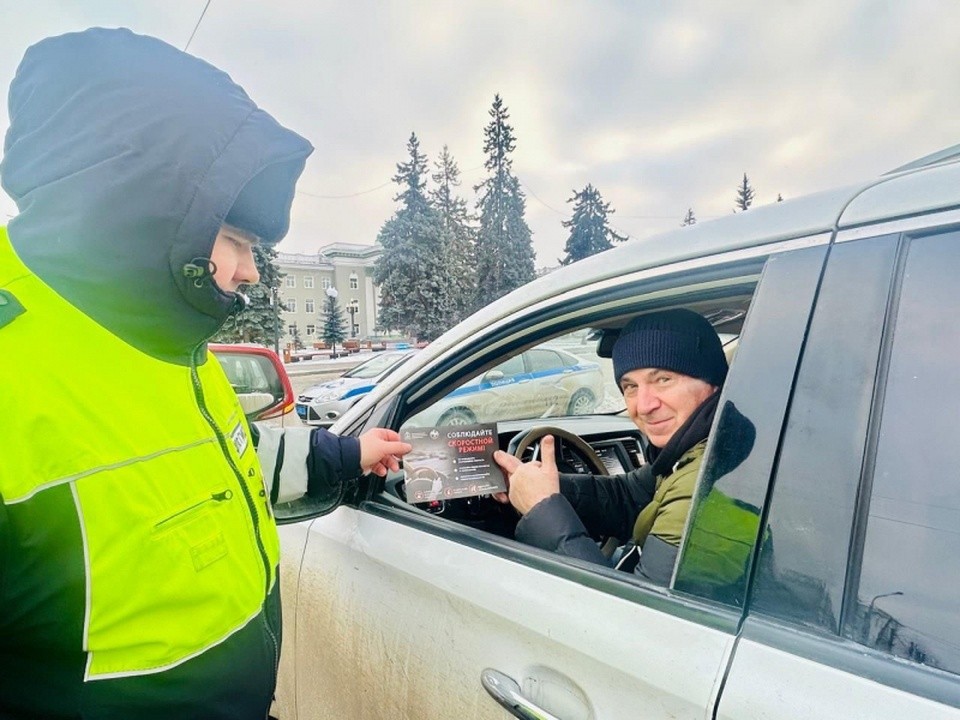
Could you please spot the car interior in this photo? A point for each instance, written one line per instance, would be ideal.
(604, 441)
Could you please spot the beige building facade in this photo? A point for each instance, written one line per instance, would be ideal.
(345, 267)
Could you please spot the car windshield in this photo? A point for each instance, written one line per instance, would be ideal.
(377, 365)
(560, 377)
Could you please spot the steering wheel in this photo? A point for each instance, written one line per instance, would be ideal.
(532, 437)
(525, 440)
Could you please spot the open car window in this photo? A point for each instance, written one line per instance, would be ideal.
(559, 377)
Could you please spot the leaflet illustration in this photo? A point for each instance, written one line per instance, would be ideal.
(451, 462)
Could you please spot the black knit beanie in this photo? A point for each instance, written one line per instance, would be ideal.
(678, 340)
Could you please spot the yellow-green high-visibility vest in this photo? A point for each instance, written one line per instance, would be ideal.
(179, 547)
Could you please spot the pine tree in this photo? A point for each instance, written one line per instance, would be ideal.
(334, 326)
(504, 247)
(745, 195)
(689, 218)
(260, 321)
(589, 231)
(412, 271)
(459, 241)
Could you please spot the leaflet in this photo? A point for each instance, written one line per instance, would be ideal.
(451, 462)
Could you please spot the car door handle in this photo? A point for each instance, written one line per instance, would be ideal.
(506, 691)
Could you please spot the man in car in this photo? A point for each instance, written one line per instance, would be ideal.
(669, 366)
(138, 552)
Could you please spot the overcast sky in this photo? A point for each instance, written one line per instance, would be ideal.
(660, 105)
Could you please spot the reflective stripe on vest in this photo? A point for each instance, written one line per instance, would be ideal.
(167, 504)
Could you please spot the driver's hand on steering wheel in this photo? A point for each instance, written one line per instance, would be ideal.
(529, 482)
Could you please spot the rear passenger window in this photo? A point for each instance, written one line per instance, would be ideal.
(909, 586)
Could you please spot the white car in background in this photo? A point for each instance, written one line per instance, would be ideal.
(324, 403)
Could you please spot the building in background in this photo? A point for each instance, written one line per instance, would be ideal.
(303, 290)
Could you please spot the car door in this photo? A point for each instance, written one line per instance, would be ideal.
(399, 613)
(853, 612)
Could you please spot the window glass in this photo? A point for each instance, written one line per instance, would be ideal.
(510, 390)
(544, 360)
(354, 282)
(290, 304)
(802, 572)
(308, 305)
(310, 329)
(717, 553)
(291, 281)
(326, 283)
(909, 586)
(308, 282)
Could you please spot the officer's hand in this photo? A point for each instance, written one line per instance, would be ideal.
(380, 450)
(529, 483)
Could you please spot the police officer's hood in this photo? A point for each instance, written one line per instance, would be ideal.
(125, 155)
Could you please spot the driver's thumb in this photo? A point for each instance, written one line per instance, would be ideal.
(548, 461)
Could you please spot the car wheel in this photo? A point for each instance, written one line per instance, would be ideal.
(582, 402)
(457, 416)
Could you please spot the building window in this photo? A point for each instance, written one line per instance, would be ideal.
(354, 281)
(290, 305)
(326, 283)
(292, 329)
(291, 281)
(310, 329)
(308, 282)
(308, 305)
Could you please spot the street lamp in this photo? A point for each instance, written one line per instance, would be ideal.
(274, 303)
(869, 615)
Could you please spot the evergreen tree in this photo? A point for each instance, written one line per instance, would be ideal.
(459, 241)
(589, 232)
(744, 195)
(412, 271)
(504, 246)
(334, 326)
(689, 218)
(260, 321)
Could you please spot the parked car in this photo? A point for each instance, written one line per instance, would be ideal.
(539, 383)
(324, 403)
(818, 573)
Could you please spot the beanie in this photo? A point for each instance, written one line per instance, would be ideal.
(679, 340)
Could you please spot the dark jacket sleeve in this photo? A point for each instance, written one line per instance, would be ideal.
(608, 505)
(552, 524)
(333, 455)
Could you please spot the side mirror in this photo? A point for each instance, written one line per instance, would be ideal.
(493, 376)
(259, 378)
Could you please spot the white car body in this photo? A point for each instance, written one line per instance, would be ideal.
(391, 612)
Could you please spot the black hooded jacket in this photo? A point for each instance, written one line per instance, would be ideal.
(125, 156)
(123, 173)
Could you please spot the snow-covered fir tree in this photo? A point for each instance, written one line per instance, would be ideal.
(412, 271)
(589, 231)
(334, 326)
(689, 218)
(745, 195)
(260, 321)
(504, 246)
(459, 235)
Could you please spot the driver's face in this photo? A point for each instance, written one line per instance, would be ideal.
(660, 401)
